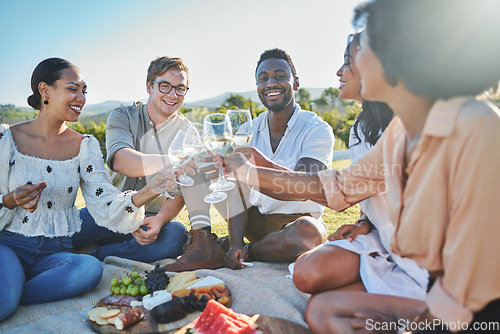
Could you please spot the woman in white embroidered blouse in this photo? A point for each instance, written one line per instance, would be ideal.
(42, 165)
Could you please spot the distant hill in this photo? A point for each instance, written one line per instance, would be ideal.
(106, 106)
(99, 112)
(215, 102)
(210, 103)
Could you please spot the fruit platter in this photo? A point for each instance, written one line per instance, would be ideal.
(154, 302)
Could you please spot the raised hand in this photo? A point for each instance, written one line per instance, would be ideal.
(27, 196)
(163, 182)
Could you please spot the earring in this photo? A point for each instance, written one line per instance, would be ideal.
(45, 102)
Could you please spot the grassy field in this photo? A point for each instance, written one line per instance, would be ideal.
(332, 219)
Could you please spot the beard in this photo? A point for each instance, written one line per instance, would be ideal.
(279, 104)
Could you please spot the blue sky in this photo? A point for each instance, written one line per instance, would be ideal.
(113, 42)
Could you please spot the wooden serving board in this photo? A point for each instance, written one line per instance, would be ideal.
(148, 324)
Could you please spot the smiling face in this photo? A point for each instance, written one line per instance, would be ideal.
(276, 84)
(164, 105)
(350, 80)
(67, 95)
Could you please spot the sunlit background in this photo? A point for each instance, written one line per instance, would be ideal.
(113, 42)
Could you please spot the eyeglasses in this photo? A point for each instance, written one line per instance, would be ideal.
(165, 88)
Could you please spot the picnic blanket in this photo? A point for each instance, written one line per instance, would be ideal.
(262, 289)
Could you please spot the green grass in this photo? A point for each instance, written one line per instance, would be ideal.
(332, 218)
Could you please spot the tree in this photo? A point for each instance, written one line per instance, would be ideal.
(303, 99)
(236, 101)
(96, 130)
(10, 114)
(195, 114)
(332, 96)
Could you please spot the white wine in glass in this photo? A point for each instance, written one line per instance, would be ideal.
(218, 145)
(179, 156)
(241, 140)
(241, 124)
(217, 135)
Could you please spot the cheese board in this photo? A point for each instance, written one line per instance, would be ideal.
(164, 311)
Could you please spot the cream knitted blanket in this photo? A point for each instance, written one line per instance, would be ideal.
(262, 289)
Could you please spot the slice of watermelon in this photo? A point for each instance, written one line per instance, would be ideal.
(223, 324)
(216, 318)
(226, 324)
(210, 314)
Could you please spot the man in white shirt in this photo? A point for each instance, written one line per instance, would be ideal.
(279, 231)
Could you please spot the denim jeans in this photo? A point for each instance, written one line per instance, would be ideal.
(35, 270)
(168, 244)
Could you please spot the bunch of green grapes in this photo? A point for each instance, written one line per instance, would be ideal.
(132, 284)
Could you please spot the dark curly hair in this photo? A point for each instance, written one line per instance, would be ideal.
(276, 54)
(438, 49)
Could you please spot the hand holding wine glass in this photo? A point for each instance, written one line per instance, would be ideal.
(217, 135)
(163, 182)
(241, 124)
(179, 155)
(201, 158)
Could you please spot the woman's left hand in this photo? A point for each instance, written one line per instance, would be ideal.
(163, 180)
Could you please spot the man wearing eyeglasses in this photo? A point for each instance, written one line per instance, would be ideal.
(137, 141)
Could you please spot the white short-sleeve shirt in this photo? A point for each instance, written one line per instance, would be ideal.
(306, 136)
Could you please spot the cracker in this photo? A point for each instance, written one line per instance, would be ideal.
(94, 312)
(100, 321)
(111, 321)
(109, 313)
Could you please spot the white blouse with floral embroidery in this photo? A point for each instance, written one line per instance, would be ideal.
(56, 214)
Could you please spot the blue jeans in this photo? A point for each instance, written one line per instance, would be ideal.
(35, 270)
(168, 244)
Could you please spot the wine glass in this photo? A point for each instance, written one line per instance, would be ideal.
(201, 151)
(193, 142)
(217, 135)
(162, 189)
(179, 156)
(199, 157)
(241, 124)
